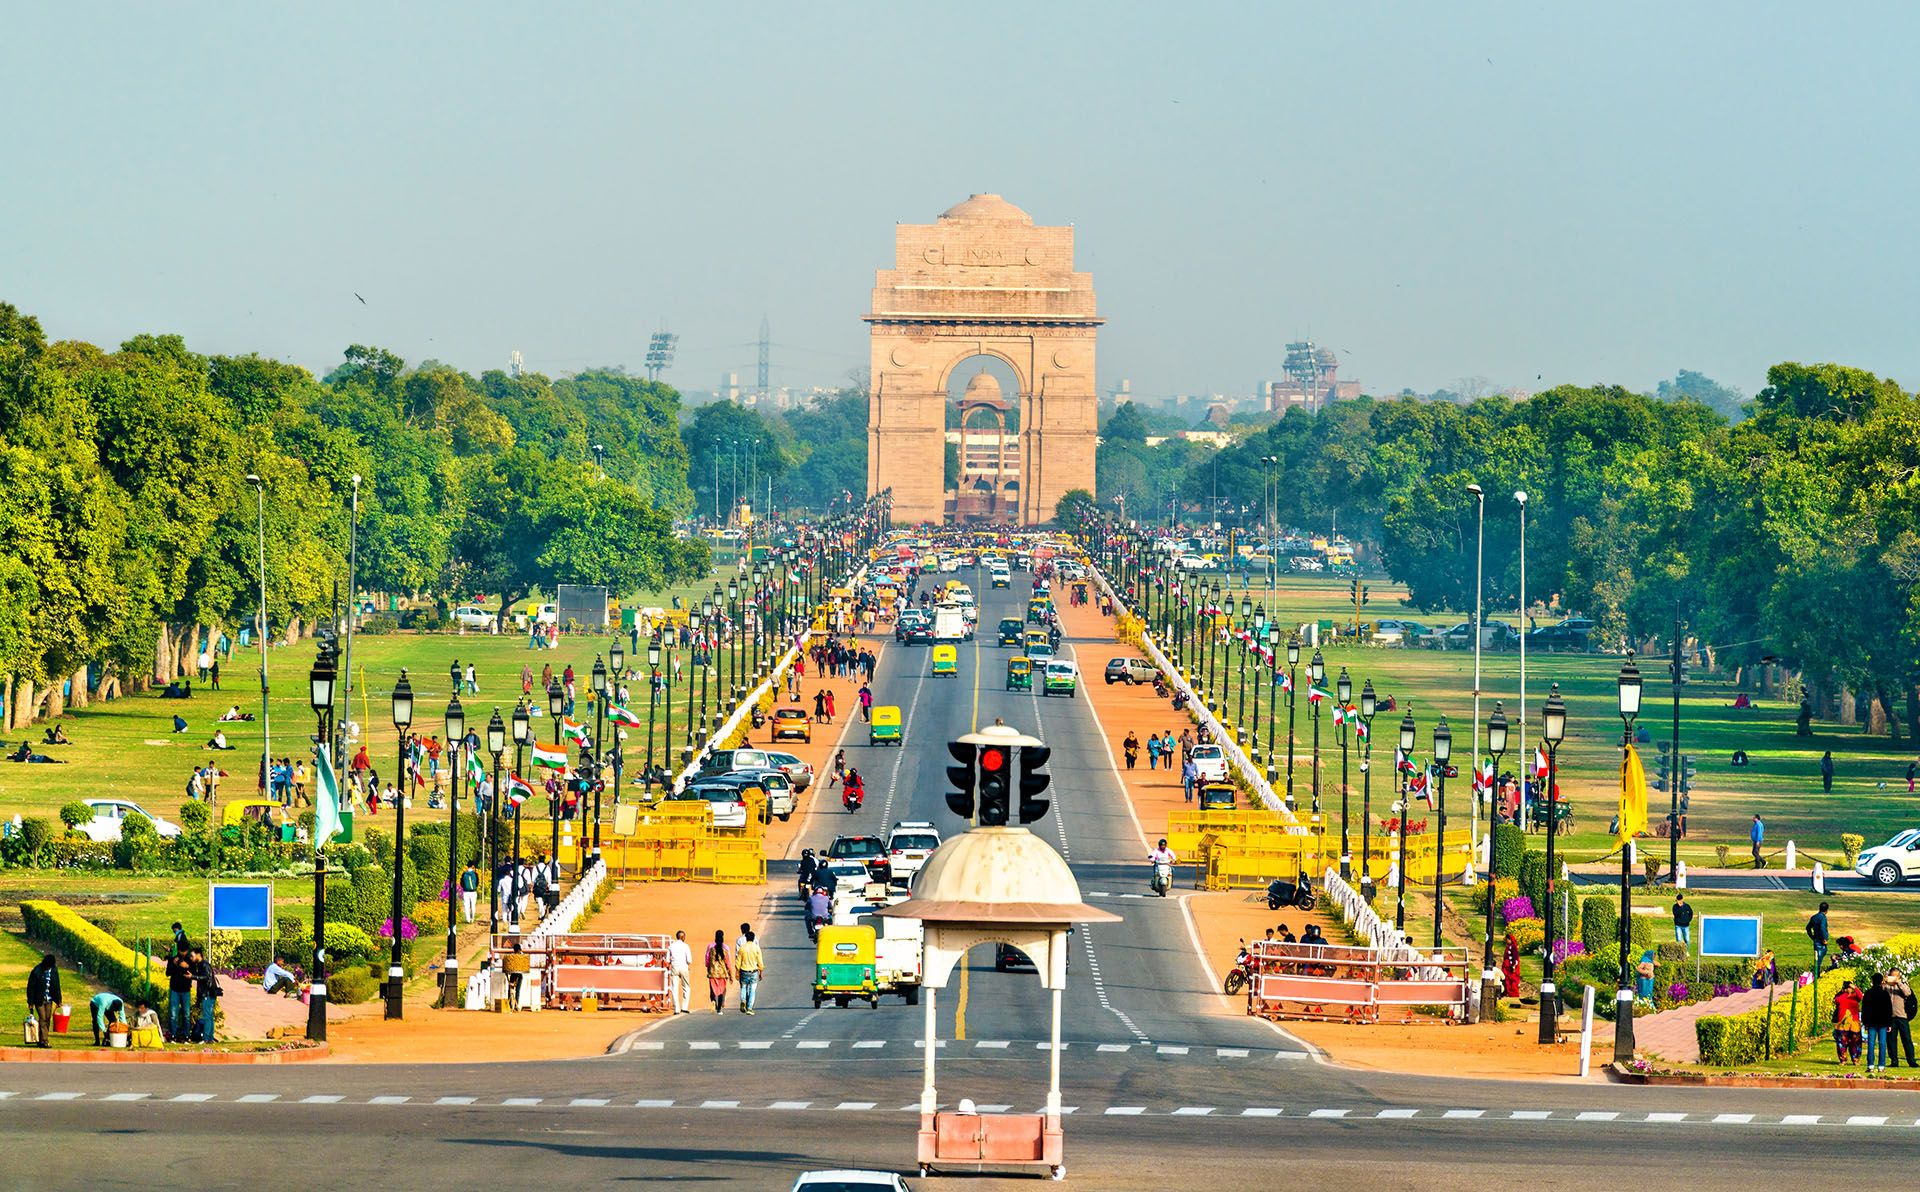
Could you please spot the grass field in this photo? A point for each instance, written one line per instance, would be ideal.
(1782, 784)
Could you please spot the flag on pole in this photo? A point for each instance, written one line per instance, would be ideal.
(1633, 796)
(1339, 715)
(1286, 680)
(518, 792)
(1402, 762)
(1539, 761)
(1315, 695)
(622, 716)
(549, 759)
(476, 772)
(1360, 730)
(573, 730)
(326, 804)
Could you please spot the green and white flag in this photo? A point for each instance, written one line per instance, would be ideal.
(326, 803)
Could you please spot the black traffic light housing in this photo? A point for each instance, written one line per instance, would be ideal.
(1033, 780)
(960, 799)
(994, 764)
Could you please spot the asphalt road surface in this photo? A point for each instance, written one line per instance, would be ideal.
(1167, 1087)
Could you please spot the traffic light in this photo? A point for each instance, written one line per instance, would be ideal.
(1660, 770)
(995, 766)
(960, 799)
(1686, 773)
(1034, 779)
(1365, 595)
(1353, 590)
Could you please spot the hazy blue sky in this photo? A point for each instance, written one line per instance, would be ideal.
(1435, 190)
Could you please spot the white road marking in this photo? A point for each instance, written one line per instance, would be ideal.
(336, 1098)
(520, 1101)
(703, 1045)
(1125, 1110)
(257, 1098)
(1863, 1119)
(646, 1104)
(1396, 1113)
(445, 1100)
(790, 1105)
(1260, 1111)
(1172, 1049)
(1732, 1119)
(1464, 1114)
(1596, 1115)
(1541, 1115)
(870, 1043)
(1116, 1047)
(59, 1096)
(719, 1104)
(392, 1100)
(1232, 1053)
(587, 1102)
(123, 1096)
(193, 1098)
(813, 1044)
(988, 1044)
(1792, 1119)
(854, 1106)
(1193, 1111)
(1328, 1113)
(649, 1045)
(756, 1044)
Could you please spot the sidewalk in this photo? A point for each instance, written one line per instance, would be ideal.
(1670, 1033)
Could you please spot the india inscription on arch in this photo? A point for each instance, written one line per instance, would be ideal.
(981, 280)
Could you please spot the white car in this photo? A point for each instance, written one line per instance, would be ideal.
(728, 802)
(1892, 863)
(107, 814)
(849, 1181)
(473, 617)
(1211, 763)
(909, 845)
(1192, 563)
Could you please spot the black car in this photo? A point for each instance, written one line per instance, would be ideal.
(1012, 631)
(918, 631)
(1571, 634)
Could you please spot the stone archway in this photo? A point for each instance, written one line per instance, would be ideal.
(982, 280)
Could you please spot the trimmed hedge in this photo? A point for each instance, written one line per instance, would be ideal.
(91, 950)
(1509, 850)
(1599, 922)
(1737, 1039)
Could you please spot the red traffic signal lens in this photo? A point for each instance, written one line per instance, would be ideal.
(993, 760)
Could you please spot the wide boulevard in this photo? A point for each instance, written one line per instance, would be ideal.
(1168, 1086)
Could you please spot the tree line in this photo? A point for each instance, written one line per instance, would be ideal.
(1783, 531)
(129, 532)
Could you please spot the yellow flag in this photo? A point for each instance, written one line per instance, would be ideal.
(1633, 796)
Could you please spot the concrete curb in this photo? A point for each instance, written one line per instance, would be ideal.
(1736, 1081)
(108, 1055)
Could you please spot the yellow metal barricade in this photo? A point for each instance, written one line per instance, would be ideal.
(1185, 829)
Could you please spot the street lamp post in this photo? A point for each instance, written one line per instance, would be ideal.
(396, 964)
(617, 757)
(1368, 705)
(496, 745)
(457, 742)
(1257, 641)
(556, 703)
(522, 737)
(1273, 702)
(704, 649)
(653, 706)
(599, 750)
(320, 683)
(1293, 661)
(1407, 732)
(1496, 745)
(1317, 674)
(1629, 683)
(736, 639)
(1479, 631)
(1343, 691)
(1240, 703)
(1442, 752)
(266, 728)
(1553, 729)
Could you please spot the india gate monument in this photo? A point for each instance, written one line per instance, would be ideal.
(981, 281)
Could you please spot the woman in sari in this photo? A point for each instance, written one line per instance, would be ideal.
(719, 970)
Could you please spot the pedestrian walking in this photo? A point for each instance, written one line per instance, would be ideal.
(749, 960)
(829, 705)
(1153, 751)
(43, 994)
(1826, 772)
(469, 890)
(1900, 1034)
(1757, 835)
(1188, 774)
(1130, 749)
(1876, 1021)
(1817, 932)
(179, 994)
(679, 973)
(473, 680)
(1913, 771)
(866, 703)
(719, 971)
(1682, 920)
(820, 706)
(1846, 1024)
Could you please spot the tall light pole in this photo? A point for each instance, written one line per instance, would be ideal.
(1343, 691)
(1273, 701)
(1408, 732)
(1553, 730)
(1293, 661)
(556, 703)
(1496, 745)
(1520, 499)
(266, 731)
(1246, 644)
(1629, 683)
(1316, 674)
(1442, 752)
(1479, 631)
(496, 745)
(320, 685)
(396, 964)
(1257, 639)
(353, 616)
(457, 745)
(599, 747)
(653, 707)
(522, 737)
(1368, 705)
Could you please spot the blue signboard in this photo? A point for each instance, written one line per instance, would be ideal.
(1730, 935)
(239, 908)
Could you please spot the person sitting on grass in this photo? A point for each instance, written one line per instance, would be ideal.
(219, 740)
(234, 713)
(57, 735)
(146, 1028)
(179, 724)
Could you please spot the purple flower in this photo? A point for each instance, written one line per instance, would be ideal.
(1517, 908)
(408, 931)
(1565, 948)
(1677, 991)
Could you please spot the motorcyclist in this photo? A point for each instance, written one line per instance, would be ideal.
(819, 909)
(856, 792)
(1159, 857)
(808, 864)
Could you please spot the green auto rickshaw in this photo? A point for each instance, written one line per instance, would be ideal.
(844, 966)
(884, 728)
(1019, 673)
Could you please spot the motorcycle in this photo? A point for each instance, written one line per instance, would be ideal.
(853, 796)
(1162, 878)
(759, 717)
(1159, 686)
(1241, 973)
(1285, 893)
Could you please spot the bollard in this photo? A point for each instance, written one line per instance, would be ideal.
(1819, 878)
(1680, 876)
(1790, 855)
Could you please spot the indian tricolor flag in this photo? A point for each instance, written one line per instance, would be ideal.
(1360, 730)
(622, 716)
(573, 730)
(1286, 681)
(1315, 695)
(518, 792)
(549, 759)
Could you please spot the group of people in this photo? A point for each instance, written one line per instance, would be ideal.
(724, 964)
(193, 996)
(516, 882)
(1879, 1015)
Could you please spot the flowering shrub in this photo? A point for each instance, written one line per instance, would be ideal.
(1528, 934)
(1565, 948)
(1677, 991)
(1517, 908)
(408, 932)
(1392, 826)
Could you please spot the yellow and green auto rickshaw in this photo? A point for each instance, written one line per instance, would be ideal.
(1038, 637)
(843, 966)
(946, 660)
(1216, 796)
(884, 728)
(1037, 609)
(1019, 673)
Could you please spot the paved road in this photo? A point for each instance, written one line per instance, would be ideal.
(1164, 1089)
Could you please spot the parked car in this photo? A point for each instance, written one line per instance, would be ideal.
(722, 761)
(798, 772)
(473, 617)
(1893, 863)
(1130, 670)
(727, 799)
(1211, 762)
(1399, 632)
(1574, 633)
(1192, 563)
(792, 724)
(108, 814)
(1494, 635)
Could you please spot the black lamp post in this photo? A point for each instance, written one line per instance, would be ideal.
(1240, 703)
(1317, 673)
(599, 750)
(320, 683)
(1442, 751)
(1623, 1001)
(1273, 702)
(1256, 641)
(457, 743)
(653, 706)
(396, 964)
(1343, 692)
(1293, 679)
(522, 737)
(617, 664)
(1553, 721)
(705, 650)
(1408, 731)
(1369, 704)
(735, 640)
(556, 704)
(496, 745)
(1496, 745)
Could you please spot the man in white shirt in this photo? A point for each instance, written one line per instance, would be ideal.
(679, 970)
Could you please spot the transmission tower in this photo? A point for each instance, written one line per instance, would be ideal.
(660, 353)
(766, 345)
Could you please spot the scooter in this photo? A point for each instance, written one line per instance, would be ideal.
(1284, 893)
(1162, 878)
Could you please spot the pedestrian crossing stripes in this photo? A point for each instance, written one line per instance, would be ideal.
(1464, 1115)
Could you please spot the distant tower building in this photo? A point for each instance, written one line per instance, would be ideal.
(1312, 380)
(514, 363)
(1122, 394)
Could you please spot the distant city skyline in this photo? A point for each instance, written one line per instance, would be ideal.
(1529, 196)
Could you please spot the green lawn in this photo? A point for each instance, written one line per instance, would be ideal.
(17, 958)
